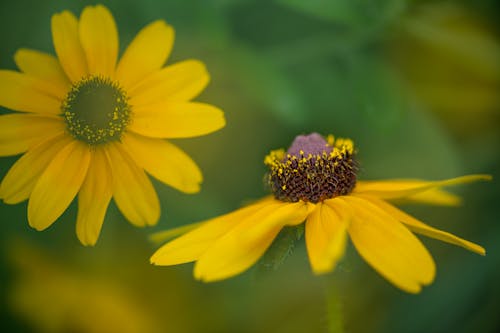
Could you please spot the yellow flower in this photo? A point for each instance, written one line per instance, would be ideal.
(90, 125)
(316, 182)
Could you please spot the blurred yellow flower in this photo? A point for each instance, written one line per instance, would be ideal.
(49, 297)
(450, 59)
(316, 181)
(91, 124)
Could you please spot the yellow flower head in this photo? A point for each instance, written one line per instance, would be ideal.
(90, 124)
(315, 181)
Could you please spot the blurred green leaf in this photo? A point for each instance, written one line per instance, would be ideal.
(354, 13)
(271, 85)
(378, 93)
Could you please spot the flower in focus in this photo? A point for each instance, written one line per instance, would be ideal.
(316, 181)
(91, 125)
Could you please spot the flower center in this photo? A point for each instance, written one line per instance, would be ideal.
(96, 110)
(313, 169)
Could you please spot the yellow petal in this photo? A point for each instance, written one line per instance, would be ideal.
(133, 192)
(43, 66)
(421, 228)
(58, 185)
(99, 39)
(67, 45)
(161, 237)
(193, 244)
(400, 188)
(177, 120)
(19, 132)
(284, 214)
(180, 82)
(326, 236)
(164, 161)
(241, 247)
(94, 198)
(434, 196)
(389, 247)
(147, 53)
(21, 92)
(23, 175)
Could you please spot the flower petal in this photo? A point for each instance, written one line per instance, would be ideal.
(180, 82)
(389, 247)
(147, 53)
(43, 66)
(326, 236)
(285, 214)
(434, 196)
(19, 132)
(58, 185)
(193, 244)
(99, 39)
(177, 120)
(241, 247)
(19, 182)
(421, 228)
(393, 189)
(133, 192)
(164, 161)
(67, 45)
(21, 92)
(94, 198)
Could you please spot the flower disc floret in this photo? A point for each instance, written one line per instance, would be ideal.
(313, 169)
(96, 110)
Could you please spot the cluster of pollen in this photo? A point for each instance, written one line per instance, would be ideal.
(96, 110)
(313, 169)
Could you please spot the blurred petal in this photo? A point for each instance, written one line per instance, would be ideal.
(326, 236)
(21, 92)
(393, 189)
(165, 162)
(240, 248)
(192, 245)
(421, 228)
(133, 192)
(147, 53)
(43, 66)
(19, 132)
(180, 82)
(177, 120)
(389, 247)
(58, 185)
(67, 45)
(19, 182)
(94, 198)
(99, 40)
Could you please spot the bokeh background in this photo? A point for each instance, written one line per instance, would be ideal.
(416, 84)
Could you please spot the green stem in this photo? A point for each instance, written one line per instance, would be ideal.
(333, 307)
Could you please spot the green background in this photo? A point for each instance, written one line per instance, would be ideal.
(414, 83)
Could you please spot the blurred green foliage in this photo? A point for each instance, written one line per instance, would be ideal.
(278, 69)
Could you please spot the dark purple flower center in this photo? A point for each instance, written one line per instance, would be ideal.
(313, 169)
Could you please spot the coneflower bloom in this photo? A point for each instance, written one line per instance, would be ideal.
(90, 125)
(315, 182)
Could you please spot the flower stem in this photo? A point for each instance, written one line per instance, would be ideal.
(333, 307)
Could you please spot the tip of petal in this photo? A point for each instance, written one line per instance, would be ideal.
(152, 260)
(36, 224)
(478, 249)
(191, 188)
